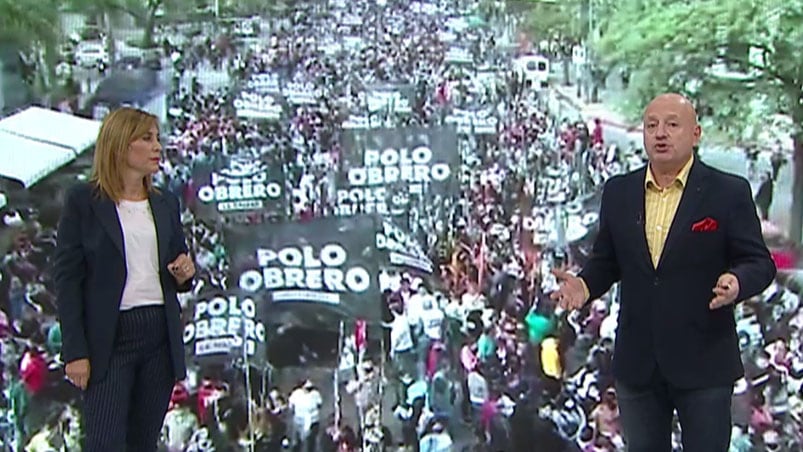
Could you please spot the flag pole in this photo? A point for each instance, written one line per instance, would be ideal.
(247, 371)
(336, 378)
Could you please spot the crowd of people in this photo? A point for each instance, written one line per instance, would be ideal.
(477, 355)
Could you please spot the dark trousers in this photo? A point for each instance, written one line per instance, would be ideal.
(125, 410)
(646, 415)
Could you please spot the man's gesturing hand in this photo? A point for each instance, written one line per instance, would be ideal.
(726, 291)
(571, 294)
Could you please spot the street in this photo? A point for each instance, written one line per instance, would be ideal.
(733, 160)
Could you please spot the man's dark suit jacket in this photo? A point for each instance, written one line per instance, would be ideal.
(664, 318)
(90, 274)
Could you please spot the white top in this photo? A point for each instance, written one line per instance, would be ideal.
(306, 406)
(432, 319)
(477, 388)
(400, 338)
(142, 285)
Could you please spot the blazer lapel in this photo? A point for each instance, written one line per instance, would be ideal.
(161, 220)
(106, 212)
(638, 200)
(689, 201)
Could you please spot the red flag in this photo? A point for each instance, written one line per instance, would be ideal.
(359, 335)
(784, 260)
(481, 262)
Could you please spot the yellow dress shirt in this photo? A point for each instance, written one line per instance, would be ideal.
(660, 207)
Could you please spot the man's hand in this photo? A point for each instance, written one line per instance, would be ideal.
(726, 291)
(571, 294)
(78, 372)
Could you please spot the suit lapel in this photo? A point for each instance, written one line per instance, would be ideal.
(638, 200)
(106, 212)
(689, 202)
(161, 220)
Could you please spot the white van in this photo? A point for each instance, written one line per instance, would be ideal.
(534, 68)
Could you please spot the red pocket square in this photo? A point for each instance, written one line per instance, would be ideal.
(707, 224)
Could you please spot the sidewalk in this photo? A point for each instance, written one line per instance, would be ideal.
(589, 111)
(563, 101)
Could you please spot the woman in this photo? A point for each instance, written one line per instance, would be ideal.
(121, 257)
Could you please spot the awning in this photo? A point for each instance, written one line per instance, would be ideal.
(28, 161)
(53, 127)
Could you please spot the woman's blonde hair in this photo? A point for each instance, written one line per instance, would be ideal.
(119, 129)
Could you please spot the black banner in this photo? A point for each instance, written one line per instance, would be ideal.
(238, 186)
(258, 106)
(473, 122)
(226, 325)
(383, 169)
(390, 97)
(403, 250)
(295, 93)
(329, 262)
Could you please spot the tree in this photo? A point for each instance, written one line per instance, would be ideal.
(741, 61)
(570, 23)
(143, 12)
(558, 22)
(31, 27)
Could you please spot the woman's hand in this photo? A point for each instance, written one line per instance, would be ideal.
(182, 268)
(78, 372)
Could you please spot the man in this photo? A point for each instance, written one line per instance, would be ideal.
(305, 402)
(684, 241)
(764, 196)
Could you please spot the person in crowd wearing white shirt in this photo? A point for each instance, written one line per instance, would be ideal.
(431, 321)
(305, 403)
(437, 439)
(478, 394)
(402, 349)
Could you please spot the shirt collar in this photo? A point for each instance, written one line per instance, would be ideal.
(681, 178)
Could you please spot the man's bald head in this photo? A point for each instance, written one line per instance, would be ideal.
(670, 132)
(679, 101)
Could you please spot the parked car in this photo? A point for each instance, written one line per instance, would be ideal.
(89, 54)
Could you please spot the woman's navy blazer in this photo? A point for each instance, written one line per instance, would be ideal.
(90, 274)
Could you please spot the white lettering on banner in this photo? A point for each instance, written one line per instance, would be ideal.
(264, 82)
(302, 93)
(388, 157)
(362, 195)
(383, 99)
(224, 345)
(239, 193)
(302, 268)
(359, 122)
(365, 200)
(224, 323)
(390, 165)
(346, 210)
(532, 224)
(400, 259)
(253, 105)
(370, 176)
(473, 122)
(240, 205)
(307, 295)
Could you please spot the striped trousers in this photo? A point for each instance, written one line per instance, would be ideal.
(125, 410)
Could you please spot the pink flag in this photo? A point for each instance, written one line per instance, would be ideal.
(359, 335)
(784, 259)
